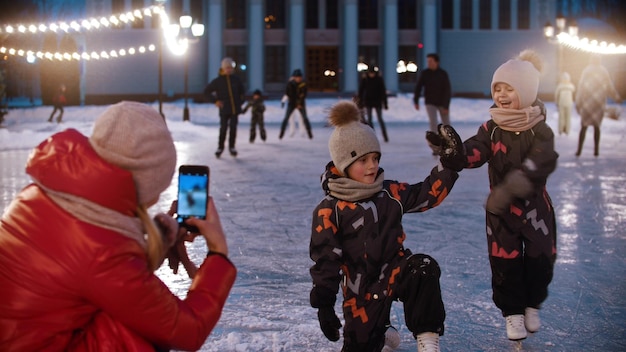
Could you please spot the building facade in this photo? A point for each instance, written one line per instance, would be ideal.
(329, 40)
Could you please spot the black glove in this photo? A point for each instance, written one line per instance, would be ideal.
(449, 146)
(329, 323)
(282, 104)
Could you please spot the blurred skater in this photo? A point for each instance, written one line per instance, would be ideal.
(58, 101)
(258, 108)
(564, 99)
(296, 91)
(373, 95)
(594, 87)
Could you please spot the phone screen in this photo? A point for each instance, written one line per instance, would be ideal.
(193, 184)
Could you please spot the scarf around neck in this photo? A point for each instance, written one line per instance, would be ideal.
(345, 188)
(515, 120)
(98, 215)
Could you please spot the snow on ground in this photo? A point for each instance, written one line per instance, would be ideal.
(266, 195)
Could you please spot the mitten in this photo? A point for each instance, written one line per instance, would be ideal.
(515, 184)
(449, 146)
(282, 104)
(329, 323)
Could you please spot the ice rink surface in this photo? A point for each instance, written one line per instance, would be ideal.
(267, 194)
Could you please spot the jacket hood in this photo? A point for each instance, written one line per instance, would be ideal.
(67, 163)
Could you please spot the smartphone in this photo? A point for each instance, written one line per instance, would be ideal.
(193, 193)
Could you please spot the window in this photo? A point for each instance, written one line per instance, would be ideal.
(485, 14)
(175, 11)
(235, 14)
(117, 7)
(408, 54)
(407, 14)
(275, 64)
(504, 13)
(332, 14)
(466, 14)
(523, 14)
(239, 54)
(138, 22)
(368, 54)
(447, 14)
(312, 15)
(197, 11)
(275, 14)
(368, 14)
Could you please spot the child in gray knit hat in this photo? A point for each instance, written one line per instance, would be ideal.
(357, 241)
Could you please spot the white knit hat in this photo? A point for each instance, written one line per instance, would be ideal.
(226, 63)
(351, 138)
(135, 137)
(521, 73)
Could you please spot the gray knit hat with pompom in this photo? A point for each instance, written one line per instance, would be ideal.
(351, 138)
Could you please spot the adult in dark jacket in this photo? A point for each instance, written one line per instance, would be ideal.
(77, 273)
(229, 94)
(357, 242)
(437, 92)
(296, 92)
(373, 95)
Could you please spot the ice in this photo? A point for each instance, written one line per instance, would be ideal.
(267, 194)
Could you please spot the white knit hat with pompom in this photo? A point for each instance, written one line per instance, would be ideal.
(351, 138)
(521, 73)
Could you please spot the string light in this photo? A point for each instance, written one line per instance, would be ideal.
(85, 24)
(65, 56)
(592, 46)
(176, 45)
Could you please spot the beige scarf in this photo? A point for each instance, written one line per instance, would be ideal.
(96, 214)
(514, 120)
(345, 188)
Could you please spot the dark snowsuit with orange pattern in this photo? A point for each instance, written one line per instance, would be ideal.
(522, 241)
(360, 245)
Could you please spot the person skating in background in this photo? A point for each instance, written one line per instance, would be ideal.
(373, 95)
(518, 144)
(564, 99)
(229, 94)
(78, 249)
(258, 108)
(594, 86)
(58, 101)
(357, 241)
(437, 92)
(296, 91)
(296, 124)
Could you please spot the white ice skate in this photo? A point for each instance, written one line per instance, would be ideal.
(515, 329)
(428, 342)
(531, 320)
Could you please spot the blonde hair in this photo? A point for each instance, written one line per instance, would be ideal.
(155, 250)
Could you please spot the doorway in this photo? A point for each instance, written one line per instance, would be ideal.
(322, 68)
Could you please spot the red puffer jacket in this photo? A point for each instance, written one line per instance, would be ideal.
(69, 285)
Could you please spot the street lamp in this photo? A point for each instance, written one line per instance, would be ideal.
(548, 32)
(190, 32)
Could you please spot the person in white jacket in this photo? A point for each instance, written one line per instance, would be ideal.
(564, 99)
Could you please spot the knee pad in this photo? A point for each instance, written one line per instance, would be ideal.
(423, 265)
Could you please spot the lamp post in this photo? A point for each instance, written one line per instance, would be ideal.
(190, 32)
(548, 32)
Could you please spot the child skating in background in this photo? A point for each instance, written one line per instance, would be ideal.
(357, 241)
(296, 124)
(564, 99)
(521, 228)
(258, 108)
(58, 101)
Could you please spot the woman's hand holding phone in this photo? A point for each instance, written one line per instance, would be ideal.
(211, 229)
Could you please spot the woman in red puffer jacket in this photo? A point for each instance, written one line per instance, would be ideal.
(76, 268)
